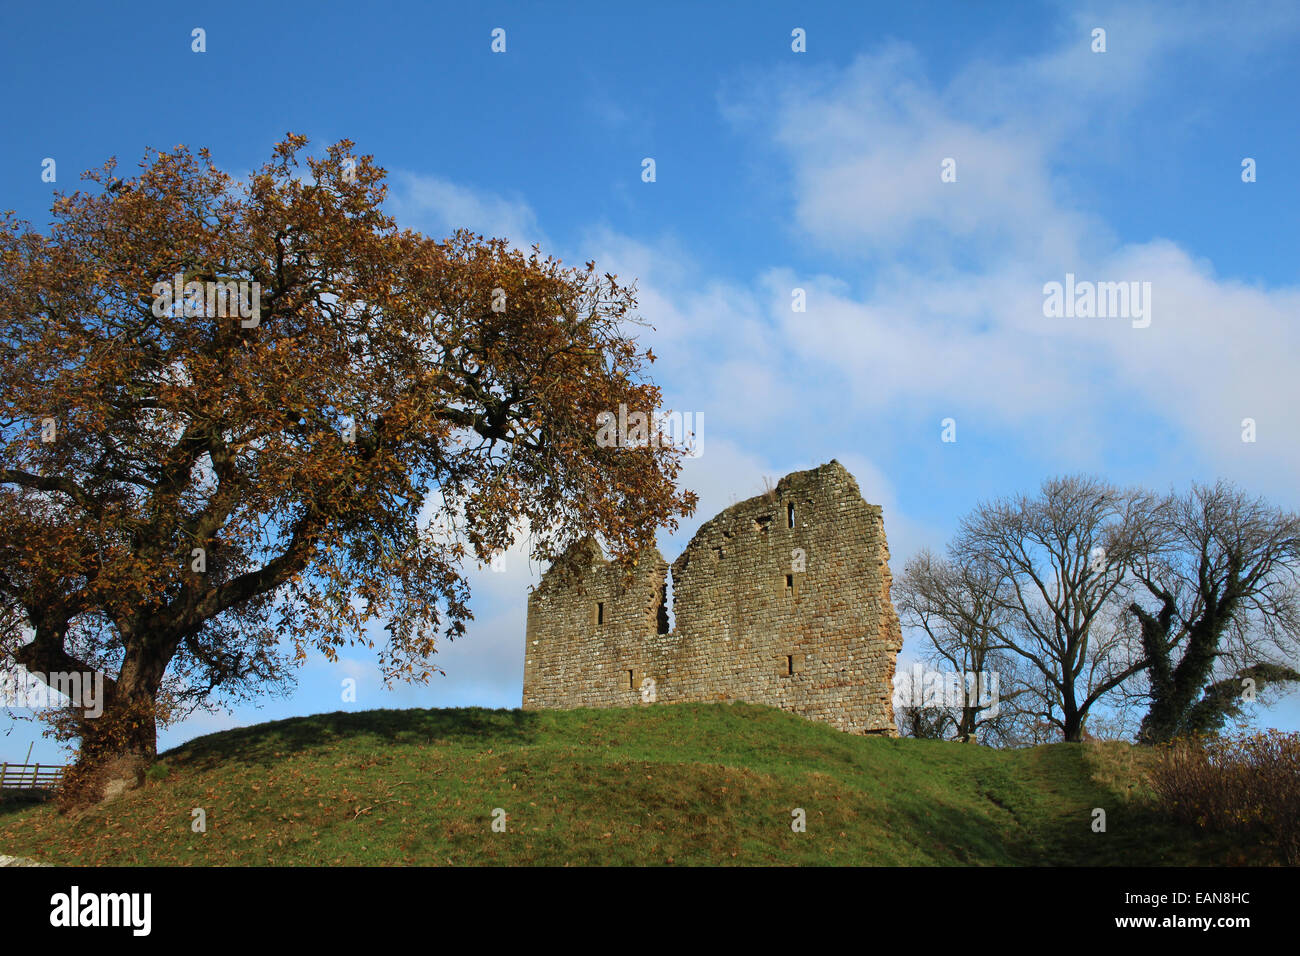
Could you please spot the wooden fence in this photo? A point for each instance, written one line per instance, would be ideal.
(30, 776)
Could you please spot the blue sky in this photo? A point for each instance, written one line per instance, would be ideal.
(778, 170)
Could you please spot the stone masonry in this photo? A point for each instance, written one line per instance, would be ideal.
(782, 600)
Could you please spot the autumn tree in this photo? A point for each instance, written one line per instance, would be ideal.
(244, 420)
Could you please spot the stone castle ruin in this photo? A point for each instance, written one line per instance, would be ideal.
(782, 600)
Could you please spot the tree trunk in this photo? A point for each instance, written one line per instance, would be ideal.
(1155, 648)
(120, 744)
(1072, 723)
(966, 727)
(1175, 695)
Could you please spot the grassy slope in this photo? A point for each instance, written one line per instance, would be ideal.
(685, 784)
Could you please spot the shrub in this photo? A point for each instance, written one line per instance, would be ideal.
(1248, 784)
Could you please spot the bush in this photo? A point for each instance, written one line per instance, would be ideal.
(1247, 784)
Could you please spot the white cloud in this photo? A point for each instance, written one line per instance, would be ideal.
(953, 315)
(437, 207)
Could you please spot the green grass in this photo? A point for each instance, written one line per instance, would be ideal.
(684, 784)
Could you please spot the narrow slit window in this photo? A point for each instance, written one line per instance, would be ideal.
(631, 680)
(789, 514)
(789, 665)
(789, 582)
(600, 612)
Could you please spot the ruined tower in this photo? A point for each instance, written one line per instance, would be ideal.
(782, 599)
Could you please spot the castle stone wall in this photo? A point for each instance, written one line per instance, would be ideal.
(782, 599)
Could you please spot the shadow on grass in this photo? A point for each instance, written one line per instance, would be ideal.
(1137, 832)
(266, 743)
(16, 801)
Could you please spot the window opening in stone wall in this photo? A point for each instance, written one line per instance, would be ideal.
(789, 665)
(789, 582)
(663, 624)
(789, 514)
(600, 612)
(631, 680)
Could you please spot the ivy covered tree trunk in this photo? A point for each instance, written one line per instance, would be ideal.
(1176, 689)
(1160, 718)
(1173, 701)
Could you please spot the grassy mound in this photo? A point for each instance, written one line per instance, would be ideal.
(682, 784)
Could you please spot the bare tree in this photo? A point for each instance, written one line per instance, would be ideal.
(923, 723)
(1065, 557)
(1222, 574)
(960, 607)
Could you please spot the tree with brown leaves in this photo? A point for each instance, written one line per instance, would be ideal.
(242, 420)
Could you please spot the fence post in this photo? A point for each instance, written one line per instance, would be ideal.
(36, 767)
(4, 772)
